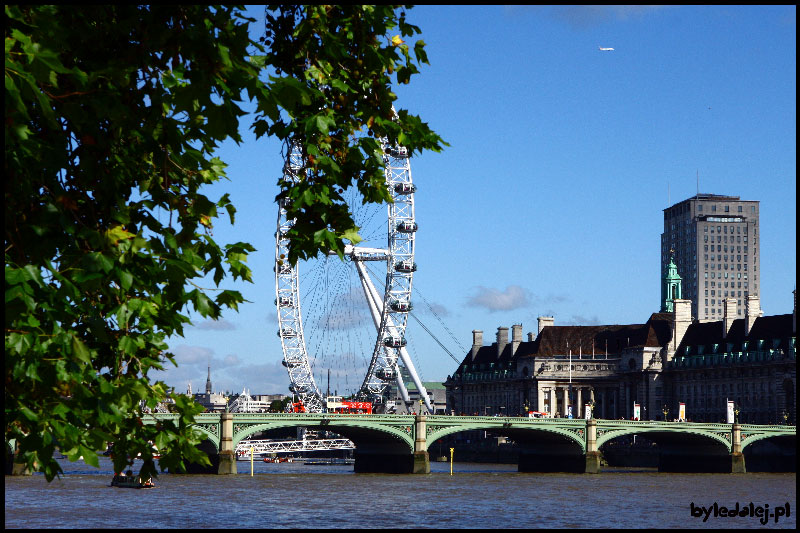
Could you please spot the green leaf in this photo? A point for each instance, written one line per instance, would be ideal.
(352, 236)
(80, 350)
(126, 279)
(89, 456)
(203, 304)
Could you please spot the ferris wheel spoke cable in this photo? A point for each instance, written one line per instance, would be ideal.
(438, 318)
(433, 336)
(415, 317)
(340, 329)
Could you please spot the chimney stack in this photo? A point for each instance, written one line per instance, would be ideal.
(681, 320)
(729, 316)
(477, 342)
(516, 337)
(752, 312)
(545, 321)
(502, 340)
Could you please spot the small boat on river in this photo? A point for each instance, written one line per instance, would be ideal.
(130, 481)
(278, 459)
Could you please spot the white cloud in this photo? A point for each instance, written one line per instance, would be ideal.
(192, 355)
(579, 320)
(228, 373)
(436, 309)
(216, 325)
(513, 297)
(231, 360)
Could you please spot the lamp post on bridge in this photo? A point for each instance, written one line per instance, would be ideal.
(665, 410)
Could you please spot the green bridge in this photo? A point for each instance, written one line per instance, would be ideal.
(399, 443)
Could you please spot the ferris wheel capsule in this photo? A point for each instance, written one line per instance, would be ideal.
(401, 306)
(406, 267)
(405, 188)
(283, 301)
(287, 333)
(407, 226)
(397, 152)
(394, 342)
(385, 374)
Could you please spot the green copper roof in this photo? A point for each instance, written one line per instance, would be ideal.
(670, 285)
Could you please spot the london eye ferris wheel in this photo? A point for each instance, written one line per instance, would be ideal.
(351, 314)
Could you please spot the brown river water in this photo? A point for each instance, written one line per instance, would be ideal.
(295, 495)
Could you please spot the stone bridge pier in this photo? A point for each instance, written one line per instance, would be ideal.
(227, 455)
(383, 456)
(682, 455)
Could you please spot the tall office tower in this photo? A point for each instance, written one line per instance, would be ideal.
(714, 242)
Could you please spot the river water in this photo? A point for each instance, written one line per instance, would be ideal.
(294, 495)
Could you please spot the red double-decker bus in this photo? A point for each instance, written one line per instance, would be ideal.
(335, 404)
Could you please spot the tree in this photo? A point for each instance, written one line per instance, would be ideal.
(279, 406)
(113, 114)
(331, 94)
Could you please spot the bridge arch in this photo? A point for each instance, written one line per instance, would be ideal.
(752, 438)
(668, 436)
(520, 433)
(363, 431)
(212, 434)
(207, 423)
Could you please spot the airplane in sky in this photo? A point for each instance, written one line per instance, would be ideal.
(605, 49)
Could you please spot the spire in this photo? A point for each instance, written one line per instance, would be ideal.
(208, 381)
(670, 285)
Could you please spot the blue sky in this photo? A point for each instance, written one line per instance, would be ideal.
(562, 157)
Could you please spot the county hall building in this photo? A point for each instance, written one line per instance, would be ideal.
(640, 371)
